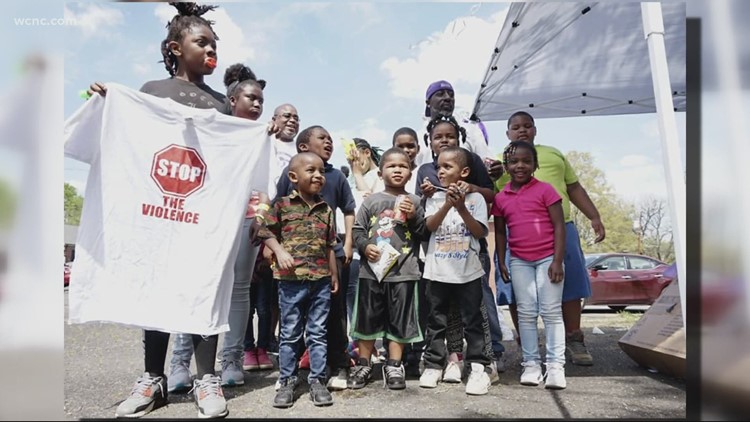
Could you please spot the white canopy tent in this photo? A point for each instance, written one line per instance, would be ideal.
(561, 59)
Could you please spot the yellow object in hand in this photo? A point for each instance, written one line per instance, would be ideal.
(349, 146)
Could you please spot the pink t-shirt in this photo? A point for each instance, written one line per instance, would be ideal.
(531, 235)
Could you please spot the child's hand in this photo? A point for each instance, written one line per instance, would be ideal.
(495, 169)
(268, 255)
(272, 128)
(504, 274)
(458, 194)
(285, 261)
(99, 88)
(372, 253)
(555, 272)
(334, 284)
(408, 208)
(428, 189)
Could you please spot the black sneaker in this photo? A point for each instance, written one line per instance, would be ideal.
(360, 375)
(285, 394)
(394, 375)
(319, 394)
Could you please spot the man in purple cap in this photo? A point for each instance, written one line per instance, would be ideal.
(439, 100)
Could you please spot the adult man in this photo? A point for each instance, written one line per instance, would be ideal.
(440, 100)
(286, 119)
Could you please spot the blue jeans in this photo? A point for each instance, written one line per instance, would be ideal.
(537, 296)
(182, 348)
(301, 301)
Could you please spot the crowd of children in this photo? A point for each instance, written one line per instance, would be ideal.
(418, 237)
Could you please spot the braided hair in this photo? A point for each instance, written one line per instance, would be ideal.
(237, 76)
(374, 151)
(188, 15)
(460, 131)
(514, 146)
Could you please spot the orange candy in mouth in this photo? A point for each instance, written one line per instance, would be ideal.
(211, 62)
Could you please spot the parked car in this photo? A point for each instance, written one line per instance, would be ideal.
(620, 279)
(66, 274)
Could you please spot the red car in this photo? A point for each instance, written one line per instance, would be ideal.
(620, 279)
(66, 274)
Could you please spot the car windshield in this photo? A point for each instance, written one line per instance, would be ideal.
(590, 259)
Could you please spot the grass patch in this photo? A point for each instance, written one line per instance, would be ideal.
(629, 318)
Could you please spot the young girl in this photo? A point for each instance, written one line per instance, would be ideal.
(536, 236)
(457, 219)
(443, 133)
(189, 54)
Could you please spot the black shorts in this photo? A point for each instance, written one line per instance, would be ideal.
(386, 309)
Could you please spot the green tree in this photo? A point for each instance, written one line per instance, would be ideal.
(654, 229)
(73, 205)
(616, 213)
(8, 202)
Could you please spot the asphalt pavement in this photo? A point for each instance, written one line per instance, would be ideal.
(102, 361)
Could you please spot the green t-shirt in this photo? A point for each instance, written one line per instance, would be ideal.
(554, 169)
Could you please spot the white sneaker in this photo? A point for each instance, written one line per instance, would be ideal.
(494, 376)
(555, 376)
(338, 381)
(532, 373)
(452, 373)
(479, 381)
(430, 378)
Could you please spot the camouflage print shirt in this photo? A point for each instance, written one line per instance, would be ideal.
(305, 232)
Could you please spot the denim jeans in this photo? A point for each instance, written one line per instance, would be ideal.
(182, 348)
(301, 301)
(537, 296)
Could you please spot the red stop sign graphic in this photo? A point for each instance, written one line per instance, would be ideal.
(178, 170)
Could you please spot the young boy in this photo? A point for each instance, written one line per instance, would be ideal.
(387, 305)
(337, 194)
(303, 223)
(457, 221)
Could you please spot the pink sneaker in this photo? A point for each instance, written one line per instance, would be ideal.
(250, 363)
(263, 361)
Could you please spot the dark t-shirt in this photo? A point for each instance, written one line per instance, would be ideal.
(187, 93)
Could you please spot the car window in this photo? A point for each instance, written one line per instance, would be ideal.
(638, 263)
(614, 263)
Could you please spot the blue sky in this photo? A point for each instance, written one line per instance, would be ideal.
(357, 69)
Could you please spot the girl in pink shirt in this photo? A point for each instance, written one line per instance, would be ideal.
(533, 213)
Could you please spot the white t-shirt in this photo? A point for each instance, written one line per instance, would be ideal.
(475, 141)
(145, 256)
(284, 151)
(453, 253)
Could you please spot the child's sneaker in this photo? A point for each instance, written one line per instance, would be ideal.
(340, 380)
(452, 373)
(285, 393)
(394, 375)
(264, 362)
(148, 393)
(180, 378)
(430, 378)
(231, 373)
(479, 381)
(555, 376)
(209, 397)
(532, 373)
(319, 394)
(250, 361)
(494, 376)
(360, 375)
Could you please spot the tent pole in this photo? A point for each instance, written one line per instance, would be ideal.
(653, 30)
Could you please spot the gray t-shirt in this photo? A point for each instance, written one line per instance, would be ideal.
(187, 93)
(374, 223)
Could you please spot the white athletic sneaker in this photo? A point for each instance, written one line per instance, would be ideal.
(479, 381)
(555, 376)
(430, 378)
(532, 373)
(452, 373)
